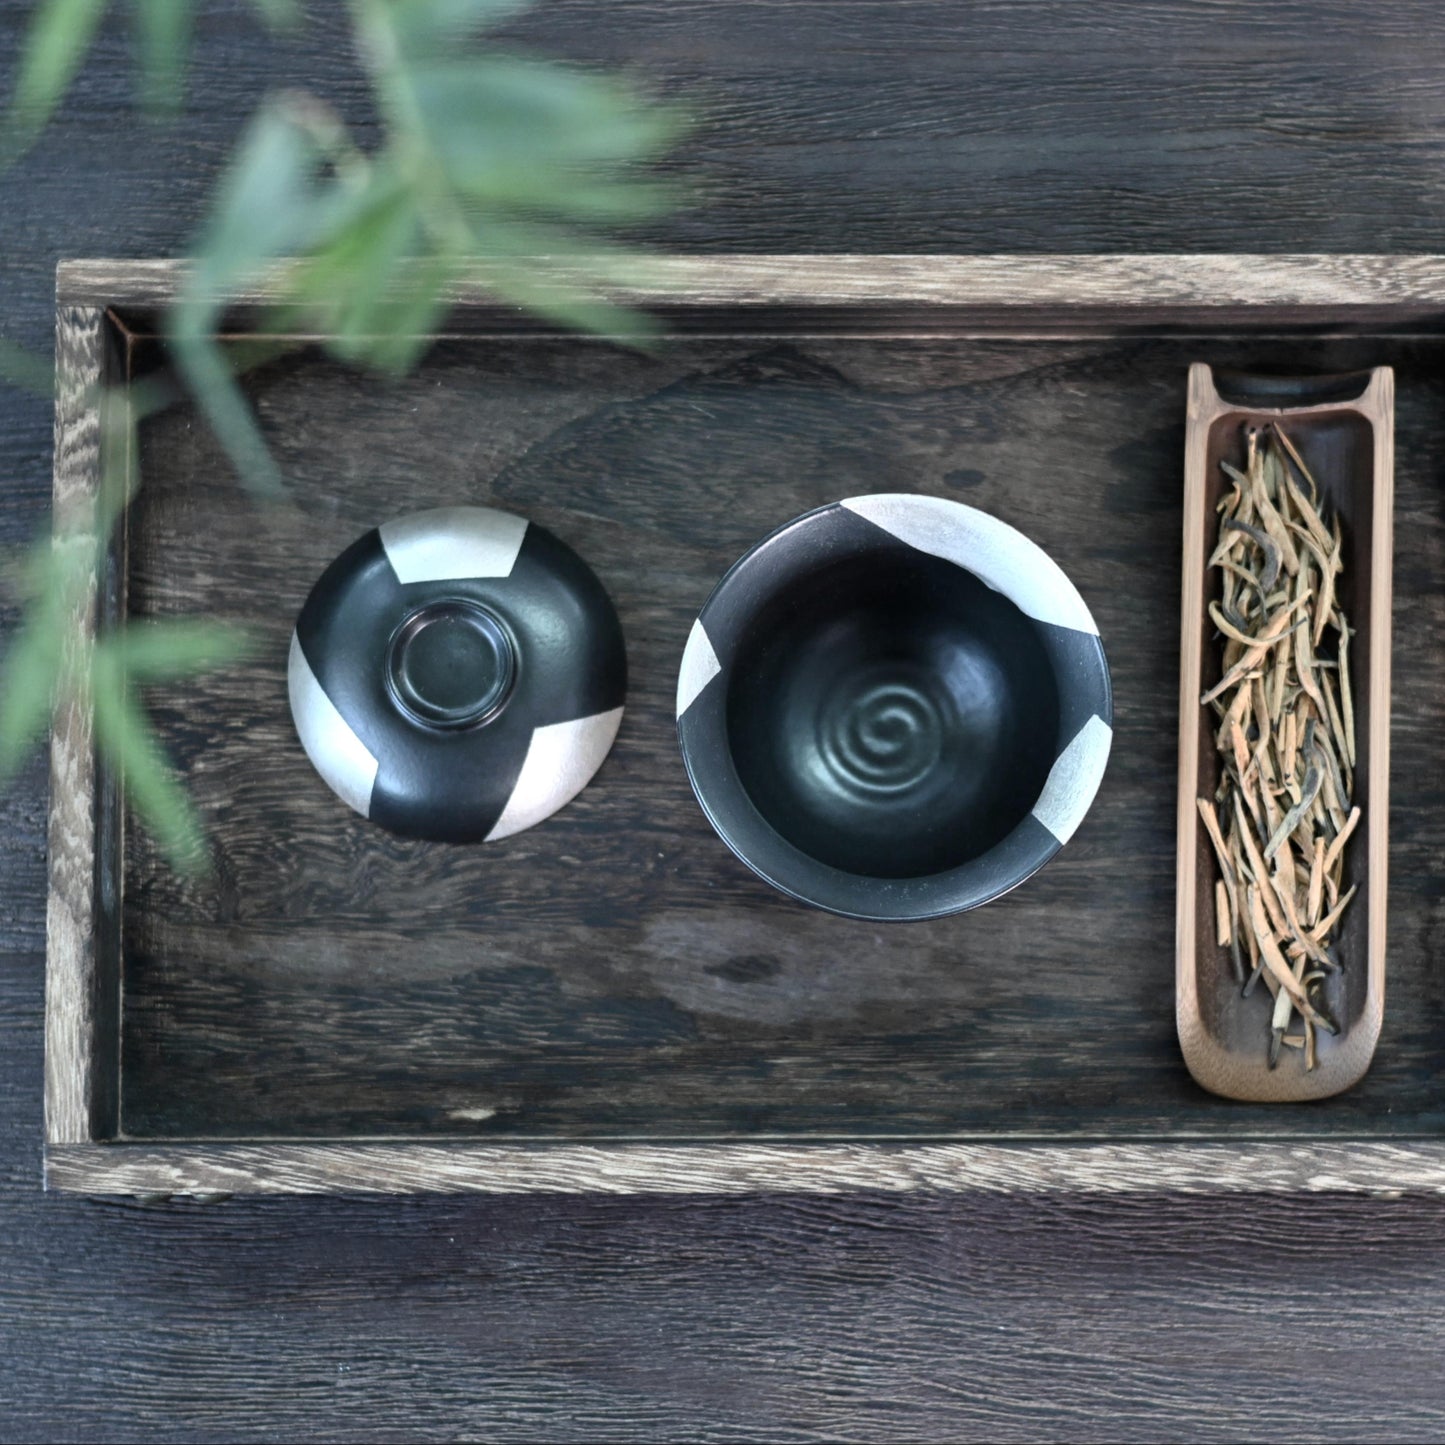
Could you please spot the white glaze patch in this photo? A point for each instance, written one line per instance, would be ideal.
(453, 543)
(699, 667)
(335, 751)
(994, 552)
(561, 759)
(1074, 779)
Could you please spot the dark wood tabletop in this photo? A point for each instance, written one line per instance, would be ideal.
(824, 125)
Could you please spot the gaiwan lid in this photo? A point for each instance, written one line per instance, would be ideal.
(457, 674)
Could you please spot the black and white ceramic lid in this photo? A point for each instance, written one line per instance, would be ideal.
(457, 674)
(883, 732)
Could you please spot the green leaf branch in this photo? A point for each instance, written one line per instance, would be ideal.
(61, 34)
(55, 660)
(504, 169)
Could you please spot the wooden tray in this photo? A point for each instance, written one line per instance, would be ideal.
(1344, 429)
(611, 1001)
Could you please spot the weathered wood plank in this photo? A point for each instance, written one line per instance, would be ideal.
(71, 1065)
(1232, 286)
(731, 1168)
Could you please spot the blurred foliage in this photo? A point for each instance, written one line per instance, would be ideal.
(20, 368)
(60, 37)
(497, 168)
(500, 170)
(51, 657)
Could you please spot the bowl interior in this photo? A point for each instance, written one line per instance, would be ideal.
(891, 715)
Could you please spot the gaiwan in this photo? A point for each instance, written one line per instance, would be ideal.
(457, 674)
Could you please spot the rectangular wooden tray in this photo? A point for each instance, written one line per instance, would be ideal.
(611, 1001)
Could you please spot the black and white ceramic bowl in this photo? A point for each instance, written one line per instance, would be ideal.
(457, 674)
(895, 707)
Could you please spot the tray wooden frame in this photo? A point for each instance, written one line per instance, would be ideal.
(1013, 296)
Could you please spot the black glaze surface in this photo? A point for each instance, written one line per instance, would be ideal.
(1241, 388)
(451, 664)
(1291, 125)
(884, 722)
(892, 716)
(548, 645)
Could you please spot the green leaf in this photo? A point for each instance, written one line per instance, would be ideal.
(20, 368)
(60, 34)
(482, 115)
(125, 737)
(163, 41)
(567, 193)
(154, 650)
(566, 300)
(279, 15)
(118, 410)
(372, 289)
(226, 409)
(557, 258)
(427, 27)
(407, 318)
(265, 207)
(27, 684)
(343, 282)
(45, 655)
(486, 159)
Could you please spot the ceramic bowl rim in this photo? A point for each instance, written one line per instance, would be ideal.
(1014, 566)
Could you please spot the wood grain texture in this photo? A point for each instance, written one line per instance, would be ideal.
(876, 1315)
(72, 1021)
(890, 126)
(1006, 290)
(329, 981)
(1349, 444)
(1026, 1166)
(649, 984)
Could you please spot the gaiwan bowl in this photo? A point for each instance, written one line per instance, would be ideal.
(895, 707)
(457, 674)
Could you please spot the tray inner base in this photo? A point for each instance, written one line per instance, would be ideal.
(616, 972)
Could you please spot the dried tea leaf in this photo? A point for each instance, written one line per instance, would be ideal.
(1343, 837)
(1346, 702)
(1211, 826)
(1274, 960)
(1305, 663)
(1274, 632)
(1285, 736)
(1291, 820)
(1293, 453)
(1231, 627)
(1322, 930)
(1316, 884)
(1272, 522)
(1260, 873)
(1339, 745)
(1266, 544)
(1239, 747)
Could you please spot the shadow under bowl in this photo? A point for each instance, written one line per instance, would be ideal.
(894, 707)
